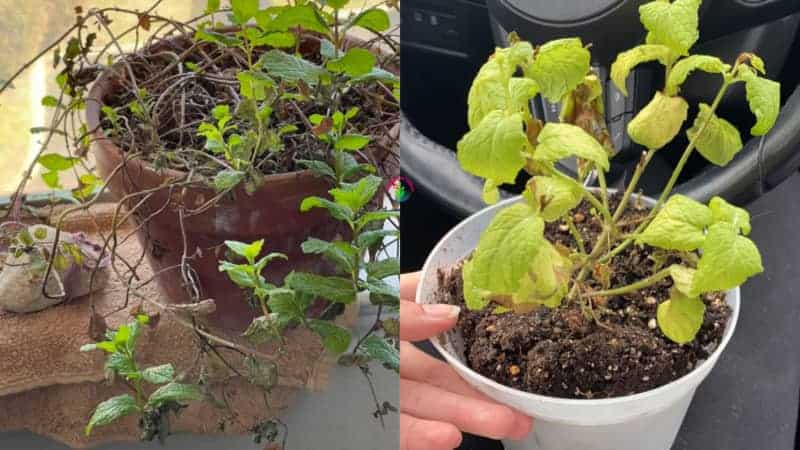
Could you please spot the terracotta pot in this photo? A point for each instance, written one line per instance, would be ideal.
(271, 213)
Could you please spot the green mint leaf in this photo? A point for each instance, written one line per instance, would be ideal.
(722, 211)
(728, 260)
(340, 253)
(680, 225)
(263, 261)
(227, 179)
(381, 350)
(335, 289)
(291, 68)
(356, 196)
(159, 374)
(493, 150)
(355, 62)
(520, 92)
(378, 74)
(212, 6)
(374, 19)
(328, 50)
(680, 317)
(288, 306)
(514, 237)
(244, 10)
(255, 84)
(674, 24)
(627, 60)
(369, 239)
(248, 251)
(383, 268)
(241, 274)
(552, 197)
(280, 39)
(51, 179)
(351, 142)
(335, 338)
(375, 216)
(175, 392)
(263, 329)
(560, 140)
(303, 16)
(336, 4)
(545, 282)
(381, 292)
(339, 212)
(658, 122)
(111, 410)
(121, 364)
(682, 277)
(489, 91)
(559, 67)
(764, 98)
(225, 40)
(56, 162)
(319, 168)
(49, 101)
(719, 140)
(681, 70)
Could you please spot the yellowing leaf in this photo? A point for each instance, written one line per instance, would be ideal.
(682, 277)
(680, 225)
(764, 97)
(559, 66)
(553, 196)
(560, 140)
(680, 317)
(719, 141)
(728, 260)
(494, 149)
(627, 60)
(682, 69)
(546, 280)
(674, 24)
(658, 122)
(503, 255)
(722, 211)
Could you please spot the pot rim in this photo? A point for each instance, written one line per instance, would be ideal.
(613, 401)
(94, 103)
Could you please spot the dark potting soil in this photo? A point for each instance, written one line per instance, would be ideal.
(563, 353)
(180, 100)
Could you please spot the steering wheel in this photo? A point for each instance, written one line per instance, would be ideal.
(763, 162)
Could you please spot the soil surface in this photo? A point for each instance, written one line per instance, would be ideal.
(181, 99)
(563, 353)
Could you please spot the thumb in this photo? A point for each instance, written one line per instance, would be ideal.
(418, 322)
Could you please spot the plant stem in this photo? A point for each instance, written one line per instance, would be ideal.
(575, 234)
(637, 174)
(633, 287)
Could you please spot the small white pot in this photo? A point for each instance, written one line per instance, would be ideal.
(645, 421)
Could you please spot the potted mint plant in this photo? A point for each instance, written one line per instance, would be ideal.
(598, 312)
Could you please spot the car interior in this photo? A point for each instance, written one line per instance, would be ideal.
(444, 43)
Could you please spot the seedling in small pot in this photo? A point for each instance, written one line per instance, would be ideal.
(515, 267)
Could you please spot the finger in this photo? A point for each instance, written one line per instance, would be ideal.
(417, 365)
(472, 415)
(408, 286)
(420, 434)
(418, 322)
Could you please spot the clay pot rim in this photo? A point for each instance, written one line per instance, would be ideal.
(94, 103)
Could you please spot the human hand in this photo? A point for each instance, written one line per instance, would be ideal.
(435, 403)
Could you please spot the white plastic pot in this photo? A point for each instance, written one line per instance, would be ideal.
(645, 421)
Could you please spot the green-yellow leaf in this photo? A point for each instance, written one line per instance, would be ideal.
(303, 16)
(356, 195)
(503, 256)
(111, 410)
(722, 211)
(355, 62)
(674, 24)
(244, 10)
(490, 88)
(546, 279)
(56, 162)
(373, 19)
(728, 260)
(682, 277)
(764, 97)
(552, 196)
(494, 149)
(627, 60)
(681, 70)
(680, 225)
(658, 122)
(335, 289)
(491, 192)
(719, 140)
(681, 317)
(521, 91)
(560, 140)
(559, 66)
